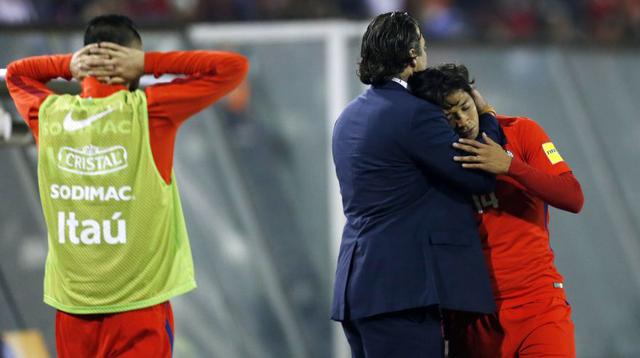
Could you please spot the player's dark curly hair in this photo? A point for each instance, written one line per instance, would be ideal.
(118, 29)
(435, 84)
(385, 47)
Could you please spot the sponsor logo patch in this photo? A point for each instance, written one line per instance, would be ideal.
(112, 231)
(90, 193)
(552, 153)
(92, 160)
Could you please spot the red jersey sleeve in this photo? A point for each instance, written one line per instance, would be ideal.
(560, 191)
(26, 80)
(543, 172)
(538, 150)
(209, 76)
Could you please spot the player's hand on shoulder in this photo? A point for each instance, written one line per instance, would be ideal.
(478, 99)
(490, 157)
(481, 104)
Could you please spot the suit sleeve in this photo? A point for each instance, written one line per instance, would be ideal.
(489, 125)
(431, 141)
(26, 81)
(209, 75)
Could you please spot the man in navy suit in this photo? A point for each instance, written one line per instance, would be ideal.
(410, 245)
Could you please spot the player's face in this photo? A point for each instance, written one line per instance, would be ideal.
(462, 114)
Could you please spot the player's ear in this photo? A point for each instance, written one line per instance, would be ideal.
(413, 55)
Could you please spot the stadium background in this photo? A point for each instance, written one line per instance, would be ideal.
(257, 183)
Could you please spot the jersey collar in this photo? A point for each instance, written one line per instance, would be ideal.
(93, 88)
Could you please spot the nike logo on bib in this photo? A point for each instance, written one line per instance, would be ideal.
(72, 125)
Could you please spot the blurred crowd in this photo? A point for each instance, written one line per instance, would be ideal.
(602, 21)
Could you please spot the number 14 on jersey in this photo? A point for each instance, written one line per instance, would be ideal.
(485, 201)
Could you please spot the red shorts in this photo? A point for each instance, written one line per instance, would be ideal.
(542, 328)
(146, 332)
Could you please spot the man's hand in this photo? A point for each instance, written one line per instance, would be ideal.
(108, 62)
(123, 64)
(80, 62)
(489, 157)
(478, 99)
(481, 104)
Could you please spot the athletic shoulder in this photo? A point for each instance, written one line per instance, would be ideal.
(515, 121)
(524, 127)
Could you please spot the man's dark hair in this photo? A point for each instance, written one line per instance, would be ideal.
(118, 29)
(435, 84)
(385, 47)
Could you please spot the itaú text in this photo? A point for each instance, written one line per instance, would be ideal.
(91, 232)
(90, 193)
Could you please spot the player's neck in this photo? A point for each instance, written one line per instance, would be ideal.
(93, 88)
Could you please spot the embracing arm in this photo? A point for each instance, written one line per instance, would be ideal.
(557, 187)
(487, 119)
(430, 139)
(489, 125)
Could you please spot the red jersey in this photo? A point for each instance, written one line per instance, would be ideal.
(514, 222)
(209, 76)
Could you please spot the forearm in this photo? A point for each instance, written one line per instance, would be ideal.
(210, 76)
(430, 139)
(560, 191)
(489, 125)
(223, 65)
(472, 182)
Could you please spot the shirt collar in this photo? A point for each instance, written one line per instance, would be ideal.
(401, 82)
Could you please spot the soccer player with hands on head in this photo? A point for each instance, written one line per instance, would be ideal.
(118, 244)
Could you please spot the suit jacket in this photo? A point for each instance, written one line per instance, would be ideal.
(410, 239)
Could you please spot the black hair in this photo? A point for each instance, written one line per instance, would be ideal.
(435, 84)
(118, 29)
(385, 47)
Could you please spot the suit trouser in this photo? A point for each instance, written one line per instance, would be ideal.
(410, 333)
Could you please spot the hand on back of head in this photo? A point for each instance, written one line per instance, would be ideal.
(108, 62)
